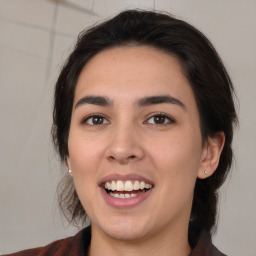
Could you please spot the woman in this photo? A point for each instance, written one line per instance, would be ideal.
(143, 118)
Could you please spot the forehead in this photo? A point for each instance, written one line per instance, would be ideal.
(133, 71)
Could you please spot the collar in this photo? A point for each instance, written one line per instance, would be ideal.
(78, 246)
(204, 246)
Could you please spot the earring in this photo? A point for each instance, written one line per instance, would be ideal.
(205, 171)
(69, 171)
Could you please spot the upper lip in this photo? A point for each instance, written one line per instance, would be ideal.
(124, 177)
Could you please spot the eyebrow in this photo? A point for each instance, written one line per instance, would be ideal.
(145, 101)
(153, 100)
(95, 100)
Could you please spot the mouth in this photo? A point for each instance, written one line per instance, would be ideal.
(126, 189)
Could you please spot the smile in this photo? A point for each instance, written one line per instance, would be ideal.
(126, 189)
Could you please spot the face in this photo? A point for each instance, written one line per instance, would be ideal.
(135, 147)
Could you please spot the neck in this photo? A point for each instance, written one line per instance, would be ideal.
(163, 243)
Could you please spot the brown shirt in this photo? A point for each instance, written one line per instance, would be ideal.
(79, 244)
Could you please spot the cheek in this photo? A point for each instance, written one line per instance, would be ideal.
(177, 164)
(84, 160)
(84, 156)
(177, 160)
(178, 153)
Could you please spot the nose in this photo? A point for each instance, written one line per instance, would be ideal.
(125, 146)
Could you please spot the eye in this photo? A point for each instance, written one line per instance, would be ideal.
(160, 119)
(95, 120)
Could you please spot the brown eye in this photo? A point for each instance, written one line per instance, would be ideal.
(160, 119)
(96, 120)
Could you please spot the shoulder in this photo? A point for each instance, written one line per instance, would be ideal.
(75, 246)
(49, 249)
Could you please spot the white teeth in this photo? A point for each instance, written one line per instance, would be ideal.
(148, 186)
(126, 185)
(113, 185)
(119, 185)
(114, 195)
(123, 196)
(142, 185)
(107, 185)
(136, 185)
(127, 195)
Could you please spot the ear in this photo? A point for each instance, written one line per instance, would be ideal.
(211, 155)
(68, 165)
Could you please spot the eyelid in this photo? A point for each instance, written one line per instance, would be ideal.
(171, 119)
(85, 119)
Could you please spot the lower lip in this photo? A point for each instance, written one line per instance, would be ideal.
(127, 202)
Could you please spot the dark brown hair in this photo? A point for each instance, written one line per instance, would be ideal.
(204, 70)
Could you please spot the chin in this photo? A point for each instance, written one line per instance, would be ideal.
(124, 230)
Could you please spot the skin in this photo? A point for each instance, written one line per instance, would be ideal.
(130, 139)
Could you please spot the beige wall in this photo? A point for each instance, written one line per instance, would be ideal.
(35, 38)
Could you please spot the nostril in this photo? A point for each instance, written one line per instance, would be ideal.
(129, 157)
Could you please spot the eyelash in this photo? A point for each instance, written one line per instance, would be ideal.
(167, 118)
(85, 120)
